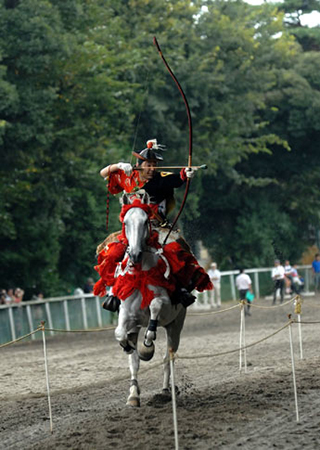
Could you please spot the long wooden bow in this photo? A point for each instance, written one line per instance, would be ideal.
(190, 135)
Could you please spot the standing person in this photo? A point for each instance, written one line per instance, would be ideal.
(2, 297)
(10, 296)
(288, 276)
(88, 287)
(215, 293)
(244, 285)
(278, 278)
(18, 295)
(316, 271)
(297, 283)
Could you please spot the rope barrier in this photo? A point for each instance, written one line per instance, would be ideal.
(93, 330)
(209, 313)
(20, 338)
(57, 330)
(274, 306)
(243, 347)
(236, 350)
(295, 321)
(241, 304)
(42, 328)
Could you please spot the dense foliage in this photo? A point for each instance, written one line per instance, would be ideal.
(81, 85)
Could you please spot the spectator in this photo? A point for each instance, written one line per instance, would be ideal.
(88, 287)
(278, 278)
(316, 271)
(244, 285)
(215, 277)
(287, 276)
(2, 297)
(37, 296)
(9, 296)
(18, 295)
(297, 281)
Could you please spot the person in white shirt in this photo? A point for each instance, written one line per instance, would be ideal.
(215, 294)
(278, 278)
(244, 285)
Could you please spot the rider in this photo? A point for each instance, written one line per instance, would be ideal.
(160, 187)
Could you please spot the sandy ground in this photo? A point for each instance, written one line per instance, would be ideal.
(218, 406)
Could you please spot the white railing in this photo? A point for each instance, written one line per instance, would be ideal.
(19, 319)
(29, 308)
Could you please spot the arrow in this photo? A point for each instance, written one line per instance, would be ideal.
(203, 167)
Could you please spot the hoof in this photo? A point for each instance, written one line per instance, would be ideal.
(146, 353)
(134, 402)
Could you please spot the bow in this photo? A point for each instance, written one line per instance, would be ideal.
(190, 135)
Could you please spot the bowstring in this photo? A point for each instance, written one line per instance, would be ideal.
(145, 95)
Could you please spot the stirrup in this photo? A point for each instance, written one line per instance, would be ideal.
(111, 303)
(186, 298)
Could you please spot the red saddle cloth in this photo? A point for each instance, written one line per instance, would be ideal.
(185, 271)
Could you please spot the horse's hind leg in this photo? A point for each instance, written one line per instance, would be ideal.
(173, 340)
(134, 392)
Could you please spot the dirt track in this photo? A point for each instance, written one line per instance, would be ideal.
(218, 407)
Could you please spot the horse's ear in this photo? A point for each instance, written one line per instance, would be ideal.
(145, 198)
(124, 200)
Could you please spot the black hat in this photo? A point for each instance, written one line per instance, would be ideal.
(148, 154)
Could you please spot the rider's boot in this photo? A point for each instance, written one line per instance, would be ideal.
(184, 297)
(111, 303)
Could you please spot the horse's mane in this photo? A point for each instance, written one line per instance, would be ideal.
(128, 198)
(135, 204)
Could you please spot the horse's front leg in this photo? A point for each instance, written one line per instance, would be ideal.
(146, 349)
(121, 332)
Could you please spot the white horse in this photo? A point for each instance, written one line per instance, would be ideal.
(160, 312)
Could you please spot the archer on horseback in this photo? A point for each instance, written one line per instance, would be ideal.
(159, 185)
(122, 177)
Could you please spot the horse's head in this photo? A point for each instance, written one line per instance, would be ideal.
(135, 218)
(137, 231)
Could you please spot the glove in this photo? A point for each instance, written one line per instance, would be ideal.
(126, 167)
(189, 173)
(185, 173)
